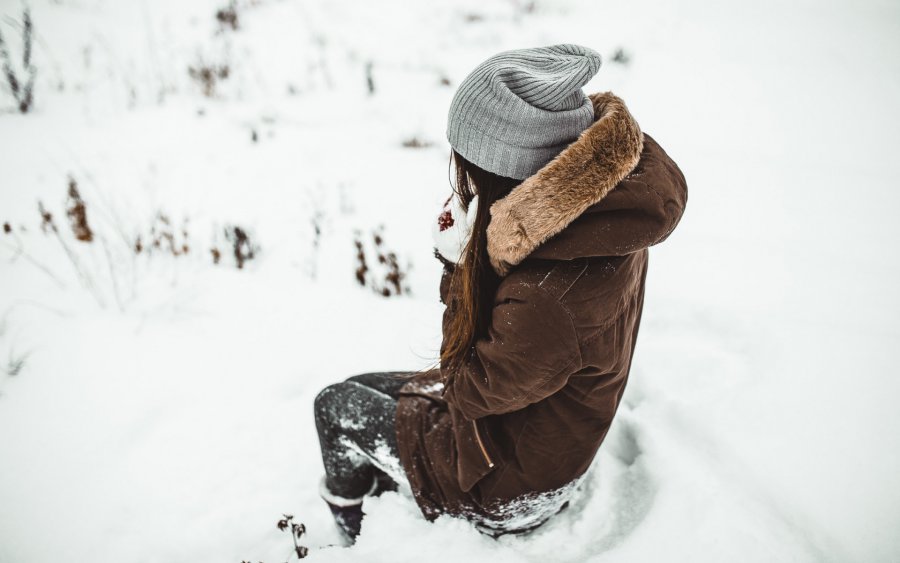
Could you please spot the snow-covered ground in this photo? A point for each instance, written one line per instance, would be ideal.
(158, 407)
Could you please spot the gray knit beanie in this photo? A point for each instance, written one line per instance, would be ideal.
(520, 108)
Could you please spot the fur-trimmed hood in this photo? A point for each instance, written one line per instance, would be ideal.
(569, 208)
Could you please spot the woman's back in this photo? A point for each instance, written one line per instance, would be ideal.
(525, 416)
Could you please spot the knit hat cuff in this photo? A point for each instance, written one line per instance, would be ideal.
(498, 156)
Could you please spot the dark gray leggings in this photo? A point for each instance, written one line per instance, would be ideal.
(355, 421)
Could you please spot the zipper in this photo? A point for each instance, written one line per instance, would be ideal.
(487, 458)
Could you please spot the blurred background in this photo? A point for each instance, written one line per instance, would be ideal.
(212, 209)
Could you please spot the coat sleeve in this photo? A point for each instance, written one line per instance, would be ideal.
(528, 354)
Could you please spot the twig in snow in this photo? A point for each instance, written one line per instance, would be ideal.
(15, 363)
(227, 17)
(297, 531)
(621, 57)
(370, 80)
(415, 142)
(113, 275)
(390, 282)
(19, 251)
(76, 210)
(208, 75)
(48, 224)
(242, 247)
(23, 92)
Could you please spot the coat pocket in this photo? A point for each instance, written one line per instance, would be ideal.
(475, 453)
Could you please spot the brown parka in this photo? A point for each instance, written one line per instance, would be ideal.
(529, 409)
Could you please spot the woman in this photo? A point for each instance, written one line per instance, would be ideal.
(544, 243)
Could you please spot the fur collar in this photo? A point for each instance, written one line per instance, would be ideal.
(581, 175)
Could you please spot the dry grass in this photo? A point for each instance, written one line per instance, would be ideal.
(228, 17)
(388, 277)
(21, 88)
(164, 237)
(76, 210)
(242, 247)
(15, 363)
(209, 75)
(416, 143)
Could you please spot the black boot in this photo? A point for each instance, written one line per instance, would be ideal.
(383, 483)
(348, 519)
(347, 512)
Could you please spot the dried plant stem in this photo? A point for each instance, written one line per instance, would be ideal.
(16, 362)
(20, 252)
(86, 280)
(22, 92)
(113, 275)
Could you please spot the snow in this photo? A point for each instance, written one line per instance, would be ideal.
(159, 408)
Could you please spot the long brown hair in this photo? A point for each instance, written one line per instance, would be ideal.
(474, 282)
